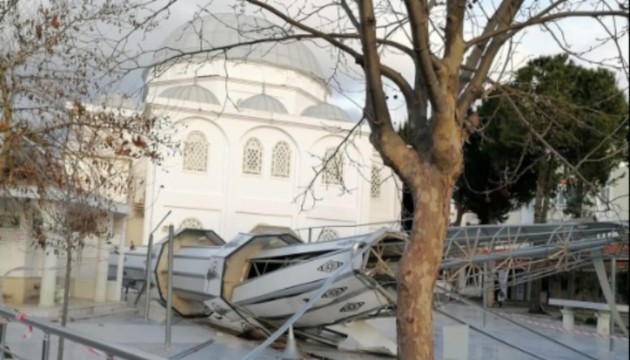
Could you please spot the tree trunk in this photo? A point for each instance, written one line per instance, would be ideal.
(579, 199)
(571, 284)
(420, 263)
(541, 208)
(535, 307)
(66, 298)
(541, 203)
(5, 125)
(460, 215)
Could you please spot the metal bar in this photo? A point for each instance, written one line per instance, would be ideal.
(147, 278)
(169, 287)
(310, 234)
(193, 349)
(484, 292)
(602, 277)
(355, 252)
(135, 302)
(537, 251)
(149, 260)
(450, 241)
(613, 286)
(46, 347)
(489, 335)
(120, 265)
(88, 340)
(458, 297)
(3, 334)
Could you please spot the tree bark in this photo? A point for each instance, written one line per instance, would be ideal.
(460, 215)
(66, 297)
(541, 204)
(5, 125)
(580, 194)
(541, 208)
(571, 284)
(420, 263)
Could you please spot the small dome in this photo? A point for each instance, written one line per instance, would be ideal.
(118, 101)
(194, 93)
(264, 103)
(225, 30)
(326, 111)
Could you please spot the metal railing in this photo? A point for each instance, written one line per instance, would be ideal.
(109, 350)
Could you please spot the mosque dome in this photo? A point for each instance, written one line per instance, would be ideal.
(263, 102)
(326, 111)
(194, 93)
(221, 30)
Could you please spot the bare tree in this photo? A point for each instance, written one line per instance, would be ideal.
(451, 53)
(70, 159)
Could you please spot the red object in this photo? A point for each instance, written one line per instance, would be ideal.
(20, 316)
(28, 332)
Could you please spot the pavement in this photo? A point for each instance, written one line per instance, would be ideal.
(493, 339)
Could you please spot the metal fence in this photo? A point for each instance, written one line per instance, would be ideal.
(111, 351)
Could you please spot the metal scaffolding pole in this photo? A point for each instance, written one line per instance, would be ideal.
(147, 279)
(169, 287)
(147, 274)
(3, 335)
(613, 286)
(463, 300)
(46, 347)
(118, 351)
(484, 291)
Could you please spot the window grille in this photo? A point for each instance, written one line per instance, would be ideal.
(375, 184)
(196, 152)
(191, 223)
(252, 157)
(333, 172)
(327, 235)
(281, 160)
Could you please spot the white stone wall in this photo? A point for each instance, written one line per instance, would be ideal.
(227, 200)
(619, 196)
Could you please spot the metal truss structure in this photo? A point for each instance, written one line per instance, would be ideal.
(274, 281)
(529, 252)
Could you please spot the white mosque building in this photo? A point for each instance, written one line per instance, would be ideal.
(255, 124)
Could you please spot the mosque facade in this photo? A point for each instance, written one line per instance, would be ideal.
(258, 140)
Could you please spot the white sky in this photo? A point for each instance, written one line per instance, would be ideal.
(580, 33)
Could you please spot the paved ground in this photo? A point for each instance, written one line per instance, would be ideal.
(131, 330)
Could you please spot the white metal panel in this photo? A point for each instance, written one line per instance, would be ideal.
(362, 303)
(299, 274)
(287, 306)
(215, 275)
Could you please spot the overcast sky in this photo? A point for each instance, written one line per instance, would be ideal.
(581, 34)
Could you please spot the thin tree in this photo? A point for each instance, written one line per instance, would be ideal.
(55, 56)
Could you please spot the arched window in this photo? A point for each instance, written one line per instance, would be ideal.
(327, 235)
(333, 172)
(281, 160)
(196, 152)
(252, 157)
(375, 181)
(191, 223)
